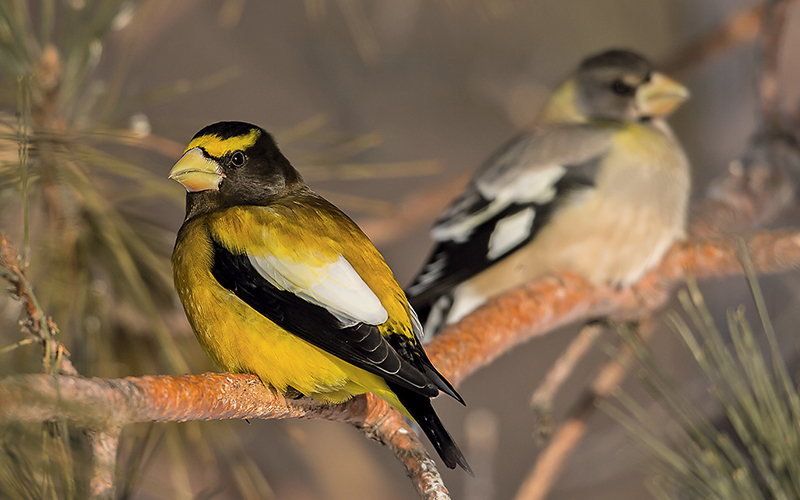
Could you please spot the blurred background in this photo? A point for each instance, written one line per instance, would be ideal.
(384, 106)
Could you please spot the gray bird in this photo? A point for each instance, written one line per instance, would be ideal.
(599, 187)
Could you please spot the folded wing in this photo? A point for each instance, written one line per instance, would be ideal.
(328, 306)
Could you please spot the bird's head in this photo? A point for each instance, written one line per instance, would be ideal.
(616, 85)
(234, 163)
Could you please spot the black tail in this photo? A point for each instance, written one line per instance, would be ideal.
(420, 408)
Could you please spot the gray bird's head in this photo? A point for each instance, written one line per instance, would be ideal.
(615, 85)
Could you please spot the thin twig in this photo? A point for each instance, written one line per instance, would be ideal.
(17, 345)
(56, 357)
(551, 461)
(542, 399)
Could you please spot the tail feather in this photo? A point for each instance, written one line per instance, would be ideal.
(420, 409)
(441, 382)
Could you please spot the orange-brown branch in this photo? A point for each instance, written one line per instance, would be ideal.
(506, 321)
(543, 305)
(108, 404)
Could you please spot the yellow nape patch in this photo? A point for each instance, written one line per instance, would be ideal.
(562, 106)
(217, 147)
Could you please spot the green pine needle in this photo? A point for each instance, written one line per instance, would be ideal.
(755, 454)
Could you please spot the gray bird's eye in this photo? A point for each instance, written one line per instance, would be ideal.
(238, 159)
(621, 88)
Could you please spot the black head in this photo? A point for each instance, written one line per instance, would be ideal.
(233, 163)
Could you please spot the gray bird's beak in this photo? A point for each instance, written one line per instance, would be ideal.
(660, 96)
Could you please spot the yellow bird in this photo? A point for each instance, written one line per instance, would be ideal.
(600, 187)
(278, 282)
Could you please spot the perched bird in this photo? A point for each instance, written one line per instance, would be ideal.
(278, 282)
(599, 187)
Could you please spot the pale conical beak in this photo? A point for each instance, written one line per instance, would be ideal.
(197, 172)
(660, 96)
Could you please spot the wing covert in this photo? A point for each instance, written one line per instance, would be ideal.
(335, 286)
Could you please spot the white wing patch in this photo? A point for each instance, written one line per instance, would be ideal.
(509, 232)
(336, 286)
(528, 186)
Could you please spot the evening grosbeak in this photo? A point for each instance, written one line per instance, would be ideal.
(599, 187)
(278, 282)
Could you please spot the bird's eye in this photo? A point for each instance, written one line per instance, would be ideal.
(238, 159)
(621, 88)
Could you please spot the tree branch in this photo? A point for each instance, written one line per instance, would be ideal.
(105, 445)
(108, 404)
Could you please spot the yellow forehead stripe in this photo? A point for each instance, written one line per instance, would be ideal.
(217, 147)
